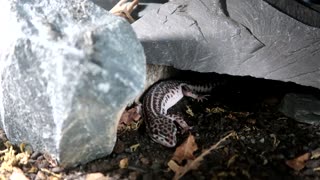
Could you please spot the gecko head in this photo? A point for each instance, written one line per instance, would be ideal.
(164, 133)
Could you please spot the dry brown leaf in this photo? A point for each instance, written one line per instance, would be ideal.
(299, 162)
(174, 166)
(194, 164)
(130, 115)
(185, 150)
(129, 119)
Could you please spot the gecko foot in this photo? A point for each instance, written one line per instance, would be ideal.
(124, 10)
(201, 98)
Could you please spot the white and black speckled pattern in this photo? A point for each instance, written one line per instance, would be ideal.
(159, 98)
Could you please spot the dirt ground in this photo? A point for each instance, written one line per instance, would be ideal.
(262, 143)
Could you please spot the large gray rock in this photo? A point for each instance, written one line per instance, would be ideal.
(247, 37)
(307, 13)
(68, 68)
(301, 107)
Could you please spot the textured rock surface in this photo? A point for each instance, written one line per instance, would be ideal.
(67, 69)
(247, 37)
(303, 108)
(309, 16)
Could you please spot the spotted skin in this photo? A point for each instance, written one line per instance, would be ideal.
(156, 102)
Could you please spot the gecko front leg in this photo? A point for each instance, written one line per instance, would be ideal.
(188, 92)
(125, 10)
(180, 121)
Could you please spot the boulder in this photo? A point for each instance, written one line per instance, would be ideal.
(301, 107)
(247, 37)
(68, 68)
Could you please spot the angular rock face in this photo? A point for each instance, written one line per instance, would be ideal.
(247, 37)
(67, 70)
(301, 107)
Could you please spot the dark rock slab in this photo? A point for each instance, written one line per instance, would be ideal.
(301, 107)
(299, 10)
(247, 37)
(68, 68)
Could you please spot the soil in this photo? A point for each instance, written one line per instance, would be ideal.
(262, 148)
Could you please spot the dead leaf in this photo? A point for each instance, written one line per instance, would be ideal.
(10, 159)
(189, 111)
(299, 162)
(215, 110)
(129, 119)
(232, 160)
(45, 170)
(276, 142)
(194, 164)
(246, 173)
(134, 147)
(130, 115)
(222, 174)
(174, 166)
(124, 163)
(315, 154)
(316, 169)
(232, 117)
(185, 150)
(144, 161)
(252, 121)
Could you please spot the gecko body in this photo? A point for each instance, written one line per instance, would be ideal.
(158, 99)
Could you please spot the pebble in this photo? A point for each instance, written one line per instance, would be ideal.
(313, 163)
(57, 169)
(134, 175)
(94, 176)
(40, 176)
(145, 161)
(308, 172)
(261, 140)
(18, 174)
(39, 158)
(35, 155)
(43, 164)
